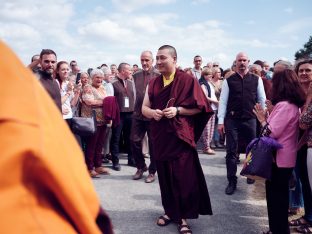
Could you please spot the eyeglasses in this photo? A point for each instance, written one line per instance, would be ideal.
(215, 65)
(197, 61)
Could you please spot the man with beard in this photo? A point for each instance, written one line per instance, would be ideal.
(240, 92)
(179, 111)
(48, 64)
(140, 124)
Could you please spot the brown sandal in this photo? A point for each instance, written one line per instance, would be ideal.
(298, 222)
(93, 174)
(307, 228)
(102, 170)
(186, 229)
(165, 220)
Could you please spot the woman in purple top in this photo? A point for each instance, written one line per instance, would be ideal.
(282, 125)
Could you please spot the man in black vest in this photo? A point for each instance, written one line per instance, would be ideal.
(240, 92)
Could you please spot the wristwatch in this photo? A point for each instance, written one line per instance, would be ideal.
(178, 111)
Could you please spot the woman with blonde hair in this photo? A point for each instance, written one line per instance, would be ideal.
(205, 82)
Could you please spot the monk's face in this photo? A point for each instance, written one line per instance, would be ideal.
(165, 62)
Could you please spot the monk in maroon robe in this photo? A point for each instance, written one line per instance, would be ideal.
(179, 112)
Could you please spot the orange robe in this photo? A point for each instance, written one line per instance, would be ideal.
(44, 184)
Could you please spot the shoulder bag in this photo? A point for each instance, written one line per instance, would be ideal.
(260, 154)
(84, 126)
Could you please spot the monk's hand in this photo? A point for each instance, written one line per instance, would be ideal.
(157, 114)
(170, 112)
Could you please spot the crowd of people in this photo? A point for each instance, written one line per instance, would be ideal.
(163, 110)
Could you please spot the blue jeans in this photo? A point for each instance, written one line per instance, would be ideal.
(244, 128)
(295, 196)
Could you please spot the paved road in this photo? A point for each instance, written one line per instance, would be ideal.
(134, 205)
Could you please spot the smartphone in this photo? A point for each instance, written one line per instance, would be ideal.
(78, 78)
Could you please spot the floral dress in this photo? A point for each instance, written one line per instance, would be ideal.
(86, 110)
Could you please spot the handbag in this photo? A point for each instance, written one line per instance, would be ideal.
(84, 126)
(260, 153)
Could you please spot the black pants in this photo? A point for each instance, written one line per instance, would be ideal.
(138, 131)
(277, 196)
(125, 126)
(244, 128)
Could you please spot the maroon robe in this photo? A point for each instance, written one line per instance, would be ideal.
(182, 183)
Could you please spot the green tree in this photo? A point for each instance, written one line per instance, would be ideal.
(306, 51)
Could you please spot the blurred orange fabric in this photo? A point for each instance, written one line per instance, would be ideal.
(44, 183)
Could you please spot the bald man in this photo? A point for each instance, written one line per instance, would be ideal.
(240, 92)
(140, 124)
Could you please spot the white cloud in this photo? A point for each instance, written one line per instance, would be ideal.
(198, 2)
(134, 5)
(258, 43)
(21, 37)
(42, 16)
(19, 31)
(106, 29)
(37, 11)
(297, 25)
(120, 33)
(145, 23)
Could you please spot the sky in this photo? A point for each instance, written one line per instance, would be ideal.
(94, 32)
